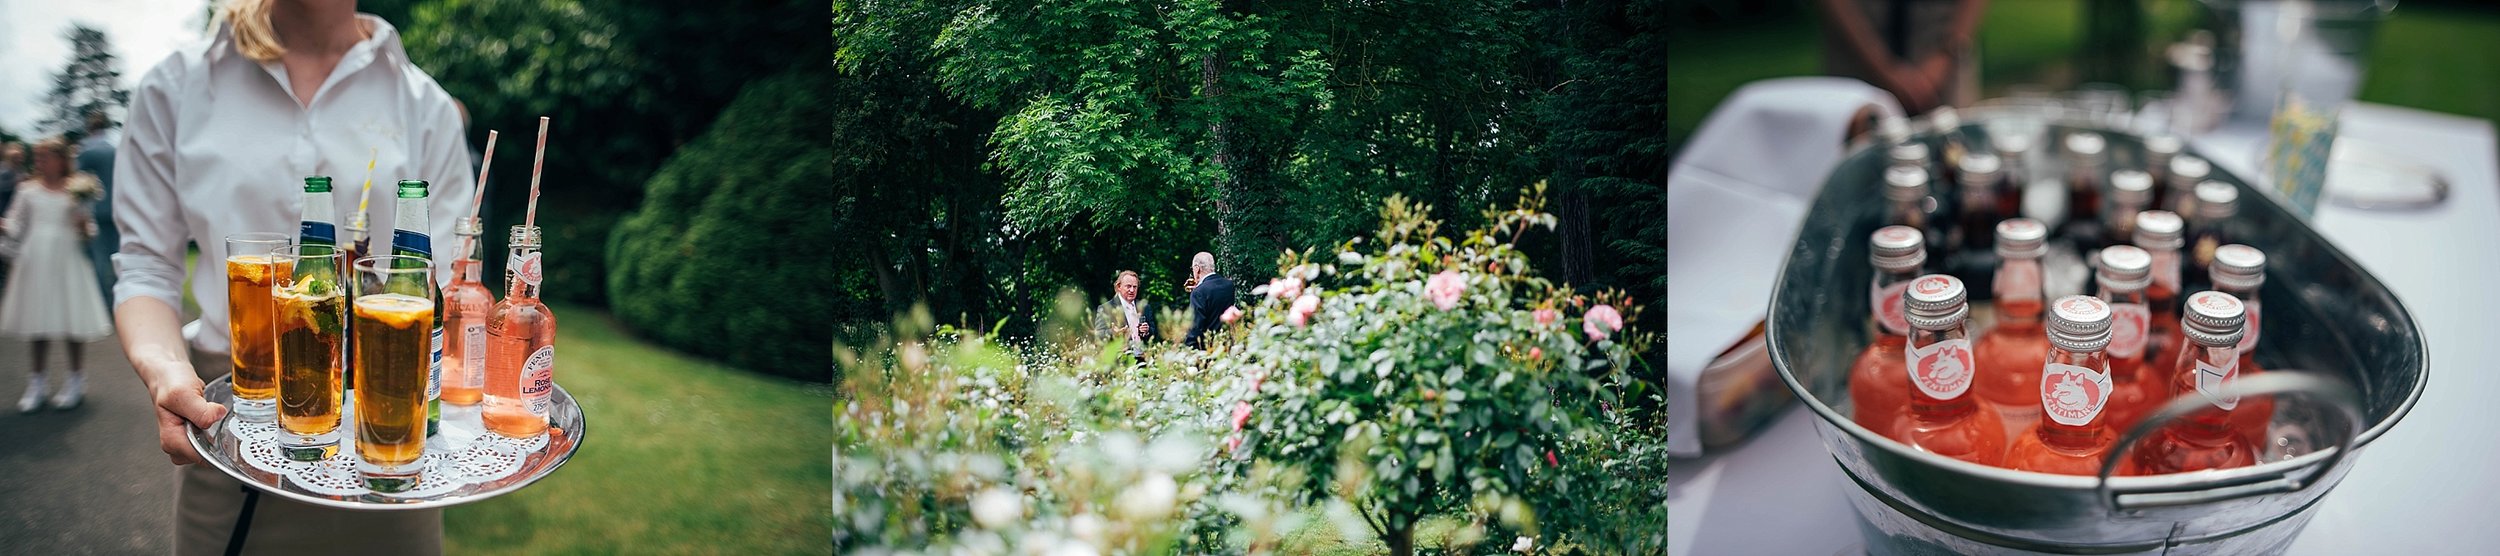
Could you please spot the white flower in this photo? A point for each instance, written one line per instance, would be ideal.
(996, 507)
(1523, 545)
(1088, 527)
(1151, 497)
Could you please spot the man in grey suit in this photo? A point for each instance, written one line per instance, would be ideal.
(95, 156)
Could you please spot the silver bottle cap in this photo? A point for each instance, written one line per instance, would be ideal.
(1909, 153)
(2086, 144)
(2079, 323)
(1936, 302)
(1980, 163)
(2022, 238)
(2239, 266)
(1899, 249)
(2216, 200)
(2214, 319)
(2162, 145)
(2125, 267)
(2187, 169)
(2159, 229)
(1893, 129)
(2133, 187)
(1905, 182)
(2012, 144)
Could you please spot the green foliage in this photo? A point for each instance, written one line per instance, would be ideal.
(625, 82)
(1282, 121)
(1427, 375)
(726, 257)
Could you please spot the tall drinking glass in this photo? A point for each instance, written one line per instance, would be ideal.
(251, 268)
(394, 320)
(312, 321)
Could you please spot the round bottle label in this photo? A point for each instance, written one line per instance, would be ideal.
(2072, 395)
(2126, 329)
(2210, 379)
(1943, 370)
(538, 375)
(525, 267)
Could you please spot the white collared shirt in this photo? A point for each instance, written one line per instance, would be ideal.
(216, 144)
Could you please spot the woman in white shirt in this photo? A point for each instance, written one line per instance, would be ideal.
(219, 138)
(52, 293)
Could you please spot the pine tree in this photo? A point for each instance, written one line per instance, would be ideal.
(90, 83)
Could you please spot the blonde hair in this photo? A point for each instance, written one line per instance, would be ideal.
(59, 150)
(253, 35)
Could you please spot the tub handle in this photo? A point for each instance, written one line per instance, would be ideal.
(2334, 393)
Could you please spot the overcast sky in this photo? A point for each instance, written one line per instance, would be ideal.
(32, 46)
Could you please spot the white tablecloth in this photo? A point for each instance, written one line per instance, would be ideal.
(2427, 487)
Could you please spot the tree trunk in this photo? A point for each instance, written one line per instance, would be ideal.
(1402, 541)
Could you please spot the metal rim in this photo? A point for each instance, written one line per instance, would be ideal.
(579, 432)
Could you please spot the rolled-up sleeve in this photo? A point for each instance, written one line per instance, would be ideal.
(147, 208)
(444, 155)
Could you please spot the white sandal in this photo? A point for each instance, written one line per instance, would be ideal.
(33, 400)
(71, 393)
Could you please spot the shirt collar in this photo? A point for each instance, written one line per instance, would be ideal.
(384, 42)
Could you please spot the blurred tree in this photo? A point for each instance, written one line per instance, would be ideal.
(727, 256)
(1283, 121)
(626, 83)
(90, 83)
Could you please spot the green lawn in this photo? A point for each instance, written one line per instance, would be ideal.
(684, 456)
(2429, 57)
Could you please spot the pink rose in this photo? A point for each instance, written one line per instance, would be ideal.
(1546, 317)
(1231, 314)
(1549, 459)
(1241, 415)
(1535, 353)
(1303, 308)
(1232, 443)
(1600, 321)
(1284, 288)
(1445, 289)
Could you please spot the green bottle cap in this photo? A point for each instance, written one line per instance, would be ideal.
(411, 189)
(316, 184)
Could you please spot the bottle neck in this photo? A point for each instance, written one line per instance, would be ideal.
(2018, 293)
(2165, 268)
(2075, 437)
(2118, 295)
(1931, 407)
(2213, 425)
(466, 268)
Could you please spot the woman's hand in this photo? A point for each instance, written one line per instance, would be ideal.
(179, 406)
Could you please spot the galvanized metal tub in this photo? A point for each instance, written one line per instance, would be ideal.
(2336, 338)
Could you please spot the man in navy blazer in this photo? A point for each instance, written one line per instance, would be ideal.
(1208, 300)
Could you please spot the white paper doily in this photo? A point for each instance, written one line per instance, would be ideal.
(457, 456)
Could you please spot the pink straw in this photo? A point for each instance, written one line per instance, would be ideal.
(482, 167)
(536, 166)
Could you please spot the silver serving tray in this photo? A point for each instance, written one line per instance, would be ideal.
(220, 448)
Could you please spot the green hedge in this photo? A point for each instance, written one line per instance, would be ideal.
(728, 254)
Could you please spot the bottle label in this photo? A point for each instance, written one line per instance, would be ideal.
(473, 353)
(2248, 341)
(1942, 370)
(412, 242)
(434, 370)
(525, 268)
(2126, 329)
(2210, 379)
(2072, 395)
(538, 378)
(319, 233)
(1889, 313)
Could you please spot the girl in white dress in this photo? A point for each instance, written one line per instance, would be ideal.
(51, 290)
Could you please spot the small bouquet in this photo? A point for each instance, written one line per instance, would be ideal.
(86, 188)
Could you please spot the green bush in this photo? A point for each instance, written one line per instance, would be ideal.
(727, 255)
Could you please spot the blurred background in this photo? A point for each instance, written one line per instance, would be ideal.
(683, 211)
(2439, 55)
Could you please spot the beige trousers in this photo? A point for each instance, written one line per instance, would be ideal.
(211, 512)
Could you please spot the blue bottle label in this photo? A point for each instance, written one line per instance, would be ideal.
(409, 242)
(320, 233)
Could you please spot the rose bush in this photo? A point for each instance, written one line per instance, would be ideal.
(1420, 375)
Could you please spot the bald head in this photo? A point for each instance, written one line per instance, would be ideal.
(1202, 264)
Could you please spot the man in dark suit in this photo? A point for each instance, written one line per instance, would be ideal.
(95, 156)
(1127, 317)
(1208, 300)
